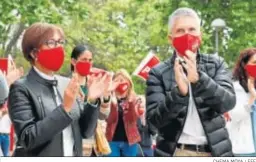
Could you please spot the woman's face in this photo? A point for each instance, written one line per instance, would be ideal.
(252, 60)
(121, 80)
(86, 56)
(250, 67)
(43, 62)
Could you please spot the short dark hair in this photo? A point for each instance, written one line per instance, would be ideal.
(239, 72)
(78, 51)
(36, 35)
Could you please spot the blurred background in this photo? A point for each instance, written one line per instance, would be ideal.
(120, 33)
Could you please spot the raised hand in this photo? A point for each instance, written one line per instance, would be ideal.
(96, 87)
(140, 107)
(191, 67)
(114, 85)
(13, 73)
(180, 78)
(70, 93)
(227, 117)
(108, 85)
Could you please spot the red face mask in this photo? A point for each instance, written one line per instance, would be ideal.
(83, 67)
(122, 88)
(186, 42)
(251, 70)
(51, 59)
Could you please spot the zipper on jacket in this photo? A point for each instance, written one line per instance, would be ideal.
(181, 131)
(176, 142)
(41, 106)
(185, 122)
(75, 149)
(58, 96)
(210, 147)
(62, 146)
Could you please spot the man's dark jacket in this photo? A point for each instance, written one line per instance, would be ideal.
(167, 109)
(39, 121)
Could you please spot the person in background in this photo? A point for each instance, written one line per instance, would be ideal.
(122, 130)
(81, 63)
(4, 118)
(146, 131)
(13, 74)
(5, 128)
(242, 127)
(188, 94)
(46, 122)
(5, 123)
(13, 138)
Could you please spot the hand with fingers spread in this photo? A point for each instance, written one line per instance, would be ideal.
(96, 87)
(71, 92)
(180, 78)
(191, 67)
(108, 85)
(114, 85)
(110, 88)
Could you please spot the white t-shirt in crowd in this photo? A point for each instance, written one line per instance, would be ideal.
(5, 124)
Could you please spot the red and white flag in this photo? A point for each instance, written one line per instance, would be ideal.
(5, 63)
(146, 65)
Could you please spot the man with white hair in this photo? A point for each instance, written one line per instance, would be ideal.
(188, 94)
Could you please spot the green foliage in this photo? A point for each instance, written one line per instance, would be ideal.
(120, 33)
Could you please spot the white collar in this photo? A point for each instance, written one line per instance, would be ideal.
(43, 75)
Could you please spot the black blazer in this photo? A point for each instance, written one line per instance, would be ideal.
(39, 121)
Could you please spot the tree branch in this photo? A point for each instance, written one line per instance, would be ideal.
(16, 35)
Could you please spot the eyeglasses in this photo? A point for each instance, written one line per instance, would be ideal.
(53, 43)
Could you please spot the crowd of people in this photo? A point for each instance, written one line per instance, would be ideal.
(95, 112)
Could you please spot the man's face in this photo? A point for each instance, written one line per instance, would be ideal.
(185, 25)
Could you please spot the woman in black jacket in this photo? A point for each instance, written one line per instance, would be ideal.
(46, 122)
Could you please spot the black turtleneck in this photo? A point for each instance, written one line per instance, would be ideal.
(120, 134)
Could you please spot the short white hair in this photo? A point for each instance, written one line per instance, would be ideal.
(184, 11)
